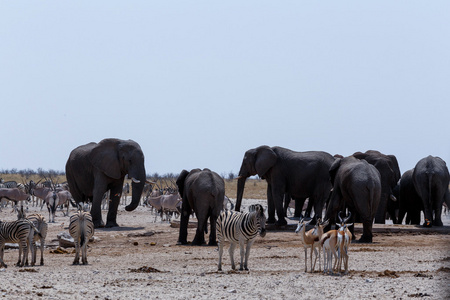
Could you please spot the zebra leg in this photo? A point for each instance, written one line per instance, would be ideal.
(76, 261)
(242, 250)
(247, 254)
(84, 254)
(231, 251)
(2, 251)
(42, 251)
(219, 267)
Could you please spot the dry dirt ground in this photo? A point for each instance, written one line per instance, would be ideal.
(140, 260)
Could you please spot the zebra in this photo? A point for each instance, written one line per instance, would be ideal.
(39, 222)
(16, 232)
(81, 229)
(240, 228)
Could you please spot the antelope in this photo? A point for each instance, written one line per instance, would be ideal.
(311, 239)
(344, 238)
(329, 246)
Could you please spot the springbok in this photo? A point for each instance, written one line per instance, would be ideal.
(344, 238)
(311, 239)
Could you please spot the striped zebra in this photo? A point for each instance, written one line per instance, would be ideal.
(16, 232)
(41, 225)
(81, 229)
(240, 228)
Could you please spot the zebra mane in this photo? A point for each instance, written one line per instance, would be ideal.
(258, 208)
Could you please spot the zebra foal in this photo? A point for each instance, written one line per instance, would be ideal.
(81, 229)
(39, 222)
(16, 232)
(240, 228)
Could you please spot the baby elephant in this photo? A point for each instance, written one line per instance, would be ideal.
(81, 229)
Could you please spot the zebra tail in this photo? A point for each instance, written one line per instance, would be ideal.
(82, 238)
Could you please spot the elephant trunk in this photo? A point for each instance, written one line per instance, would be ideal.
(240, 191)
(137, 186)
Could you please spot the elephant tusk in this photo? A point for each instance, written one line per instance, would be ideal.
(135, 180)
(393, 198)
(240, 177)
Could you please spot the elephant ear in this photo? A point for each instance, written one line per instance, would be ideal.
(265, 159)
(334, 168)
(180, 181)
(104, 157)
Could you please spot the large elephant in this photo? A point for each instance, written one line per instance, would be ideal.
(95, 168)
(356, 186)
(299, 174)
(409, 201)
(202, 191)
(431, 179)
(389, 170)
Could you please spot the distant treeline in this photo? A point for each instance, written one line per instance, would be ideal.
(26, 173)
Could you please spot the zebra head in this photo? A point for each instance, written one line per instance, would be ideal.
(258, 210)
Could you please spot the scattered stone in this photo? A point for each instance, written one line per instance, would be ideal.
(148, 233)
(65, 240)
(388, 273)
(135, 243)
(145, 269)
(369, 280)
(28, 270)
(232, 291)
(59, 250)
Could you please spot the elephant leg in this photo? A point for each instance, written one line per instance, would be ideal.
(212, 234)
(277, 196)
(437, 215)
(111, 218)
(184, 221)
(199, 238)
(270, 205)
(380, 215)
(299, 202)
(367, 231)
(96, 211)
(287, 200)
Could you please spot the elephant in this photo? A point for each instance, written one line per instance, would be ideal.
(357, 186)
(95, 168)
(431, 179)
(389, 170)
(202, 191)
(410, 202)
(299, 174)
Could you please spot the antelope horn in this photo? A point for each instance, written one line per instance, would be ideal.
(348, 217)
(340, 218)
(149, 181)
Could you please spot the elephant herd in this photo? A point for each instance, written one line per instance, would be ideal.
(368, 184)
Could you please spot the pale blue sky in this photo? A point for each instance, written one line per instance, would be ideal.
(197, 83)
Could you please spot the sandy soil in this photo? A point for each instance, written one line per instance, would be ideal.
(131, 262)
